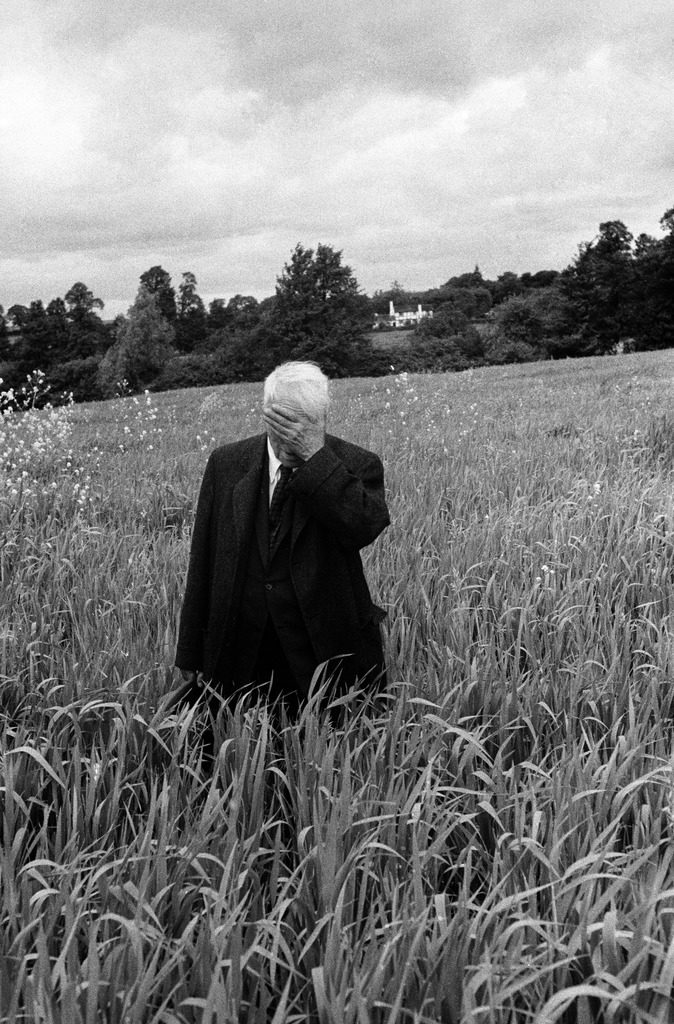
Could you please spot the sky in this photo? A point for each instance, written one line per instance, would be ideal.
(419, 137)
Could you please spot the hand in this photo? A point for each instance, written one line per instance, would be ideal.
(295, 435)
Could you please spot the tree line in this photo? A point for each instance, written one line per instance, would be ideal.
(616, 295)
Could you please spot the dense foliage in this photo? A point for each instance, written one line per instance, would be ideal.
(617, 295)
(492, 841)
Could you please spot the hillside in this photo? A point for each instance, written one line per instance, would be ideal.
(492, 840)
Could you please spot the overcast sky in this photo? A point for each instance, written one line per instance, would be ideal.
(418, 136)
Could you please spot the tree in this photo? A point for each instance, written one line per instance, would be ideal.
(474, 303)
(144, 344)
(505, 286)
(16, 315)
(191, 319)
(35, 350)
(237, 324)
(243, 312)
(667, 221)
(77, 377)
(245, 357)
(653, 320)
(600, 284)
(472, 279)
(319, 311)
(447, 321)
(85, 327)
(188, 298)
(447, 341)
(64, 330)
(541, 279)
(4, 343)
(57, 314)
(532, 325)
(218, 317)
(157, 281)
(81, 303)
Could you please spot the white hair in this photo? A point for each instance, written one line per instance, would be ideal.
(302, 383)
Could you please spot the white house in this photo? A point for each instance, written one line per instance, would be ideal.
(406, 316)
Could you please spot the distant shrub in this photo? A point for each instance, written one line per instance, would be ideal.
(190, 371)
(503, 346)
(438, 355)
(78, 377)
(567, 346)
(536, 325)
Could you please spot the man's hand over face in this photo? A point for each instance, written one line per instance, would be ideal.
(294, 434)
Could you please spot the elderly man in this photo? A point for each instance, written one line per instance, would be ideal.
(275, 586)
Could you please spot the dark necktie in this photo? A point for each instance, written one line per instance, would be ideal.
(277, 501)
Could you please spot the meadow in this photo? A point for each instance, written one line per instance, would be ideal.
(490, 840)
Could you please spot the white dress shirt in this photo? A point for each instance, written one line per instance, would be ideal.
(274, 469)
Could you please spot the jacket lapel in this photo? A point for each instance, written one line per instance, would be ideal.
(262, 512)
(301, 517)
(247, 491)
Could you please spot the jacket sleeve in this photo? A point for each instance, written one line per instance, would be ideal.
(348, 500)
(194, 615)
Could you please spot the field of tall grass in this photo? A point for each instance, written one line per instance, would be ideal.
(491, 841)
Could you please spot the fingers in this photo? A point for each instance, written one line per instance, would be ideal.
(278, 430)
(286, 412)
(278, 423)
(285, 423)
(290, 415)
(293, 432)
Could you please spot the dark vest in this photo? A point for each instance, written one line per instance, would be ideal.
(268, 593)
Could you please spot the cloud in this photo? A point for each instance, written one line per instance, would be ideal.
(299, 50)
(419, 138)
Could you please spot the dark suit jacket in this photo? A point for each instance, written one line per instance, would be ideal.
(340, 507)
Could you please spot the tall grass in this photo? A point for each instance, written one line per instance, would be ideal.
(490, 840)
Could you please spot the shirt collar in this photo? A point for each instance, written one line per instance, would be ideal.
(274, 463)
